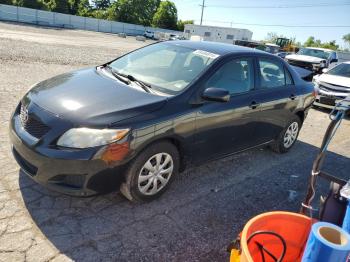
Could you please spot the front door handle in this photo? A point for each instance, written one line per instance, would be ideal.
(254, 105)
(292, 96)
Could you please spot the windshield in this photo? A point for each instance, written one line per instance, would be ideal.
(167, 68)
(340, 70)
(314, 52)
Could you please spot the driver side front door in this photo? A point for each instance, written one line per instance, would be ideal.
(226, 127)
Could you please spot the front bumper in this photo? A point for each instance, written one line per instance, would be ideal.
(73, 172)
(327, 99)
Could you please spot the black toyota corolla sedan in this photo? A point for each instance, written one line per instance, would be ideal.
(135, 122)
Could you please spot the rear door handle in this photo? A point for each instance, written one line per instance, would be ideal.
(254, 105)
(292, 96)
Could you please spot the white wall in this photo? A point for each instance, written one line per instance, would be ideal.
(39, 17)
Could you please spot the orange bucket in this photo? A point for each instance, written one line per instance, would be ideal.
(292, 227)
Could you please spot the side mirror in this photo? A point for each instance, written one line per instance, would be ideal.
(324, 70)
(334, 60)
(216, 94)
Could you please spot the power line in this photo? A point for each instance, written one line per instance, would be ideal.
(277, 25)
(280, 6)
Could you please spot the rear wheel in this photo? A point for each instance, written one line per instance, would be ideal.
(149, 175)
(287, 137)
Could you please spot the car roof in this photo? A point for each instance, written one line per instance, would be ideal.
(217, 48)
(270, 44)
(319, 48)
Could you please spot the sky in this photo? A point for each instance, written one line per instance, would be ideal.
(324, 13)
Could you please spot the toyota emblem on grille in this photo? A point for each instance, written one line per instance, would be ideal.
(24, 115)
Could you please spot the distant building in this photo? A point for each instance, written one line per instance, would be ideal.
(217, 34)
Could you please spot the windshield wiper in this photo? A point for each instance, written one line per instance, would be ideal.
(146, 87)
(119, 76)
(127, 78)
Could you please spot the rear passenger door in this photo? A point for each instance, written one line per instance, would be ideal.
(276, 98)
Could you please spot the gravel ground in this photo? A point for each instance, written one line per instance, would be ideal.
(200, 214)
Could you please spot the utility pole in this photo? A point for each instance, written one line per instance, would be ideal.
(202, 5)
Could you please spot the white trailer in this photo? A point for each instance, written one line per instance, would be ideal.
(217, 34)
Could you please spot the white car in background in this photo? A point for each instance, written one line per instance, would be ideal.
(149, 34)
(332, 85)
(313, 58)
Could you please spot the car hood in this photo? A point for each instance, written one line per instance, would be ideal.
(304, 58)
(90, 97)
(334, 80)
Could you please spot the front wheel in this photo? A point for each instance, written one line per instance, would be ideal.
(287, 137)
(151, 172)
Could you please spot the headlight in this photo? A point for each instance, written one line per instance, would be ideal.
(315, 66)
(323, 64)
(88, 137)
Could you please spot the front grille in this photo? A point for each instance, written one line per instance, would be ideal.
(31, 124)
(327, 101)
(24, 164)
(302, 64)
(334, 88)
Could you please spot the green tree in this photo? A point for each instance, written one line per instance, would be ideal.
(310, 41)
(59, 6)
(83, 8)
(330, 45)
(99, 14)
(101, 4)
(181, 24)
(346, 38)
(35, 4)
(133, 11)
(73, 6)
(6, 2)
(166, 15)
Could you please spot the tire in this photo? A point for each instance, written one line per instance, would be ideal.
(140, 185)
(281, 145)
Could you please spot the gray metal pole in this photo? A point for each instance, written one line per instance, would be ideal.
(202, 11)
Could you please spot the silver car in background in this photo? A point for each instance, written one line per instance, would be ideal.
(332, 85)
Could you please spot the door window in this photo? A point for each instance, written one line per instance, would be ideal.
(289, 79)
(273, 74)
(236, 76)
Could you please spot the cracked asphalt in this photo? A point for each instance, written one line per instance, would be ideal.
(194, 220)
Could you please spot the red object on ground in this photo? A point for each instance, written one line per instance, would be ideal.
(292, 227)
